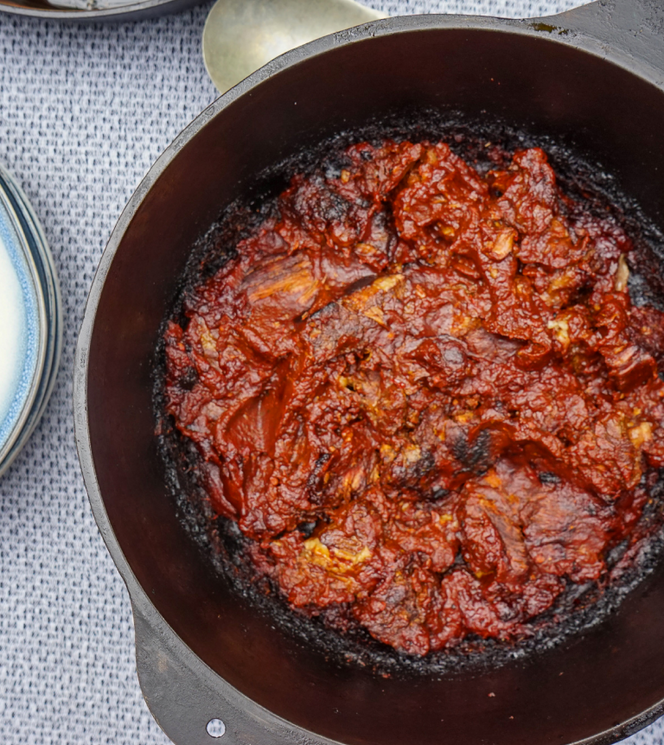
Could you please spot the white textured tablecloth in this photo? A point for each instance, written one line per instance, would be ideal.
(84, 111)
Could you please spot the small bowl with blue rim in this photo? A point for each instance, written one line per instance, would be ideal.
(30, 320)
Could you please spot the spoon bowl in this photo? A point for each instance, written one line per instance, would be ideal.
(240, 36)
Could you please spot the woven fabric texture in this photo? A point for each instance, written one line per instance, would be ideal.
(84, 111)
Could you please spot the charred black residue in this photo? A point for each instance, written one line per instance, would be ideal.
(437, 493)
(307, 529)
(476, 452)
(548, 478)
(314, 483)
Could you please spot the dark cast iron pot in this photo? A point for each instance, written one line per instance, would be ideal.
(592, 78)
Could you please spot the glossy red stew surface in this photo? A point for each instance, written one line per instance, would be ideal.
(424, 395)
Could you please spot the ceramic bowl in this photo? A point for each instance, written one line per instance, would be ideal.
(30, 320)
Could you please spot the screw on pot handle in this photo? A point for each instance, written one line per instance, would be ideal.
(192, 704)
(628, 31)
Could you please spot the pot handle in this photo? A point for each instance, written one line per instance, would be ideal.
(182, 705)
(190, 702)
(629, 31)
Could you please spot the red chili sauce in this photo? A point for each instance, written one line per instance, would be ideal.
(424, 394)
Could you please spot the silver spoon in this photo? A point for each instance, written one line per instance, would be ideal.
(242, 35)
